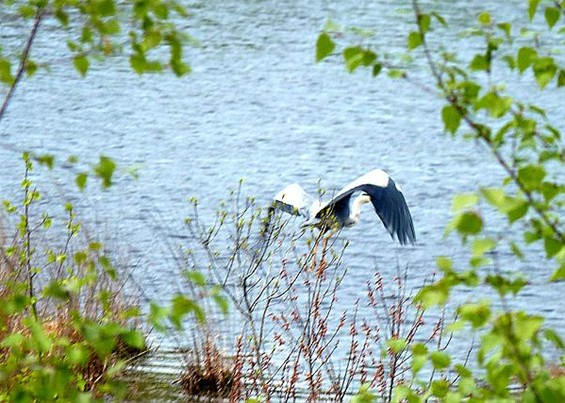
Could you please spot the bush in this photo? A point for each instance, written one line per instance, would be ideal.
(67, 328)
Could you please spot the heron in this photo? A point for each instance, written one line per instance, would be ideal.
(344, 210)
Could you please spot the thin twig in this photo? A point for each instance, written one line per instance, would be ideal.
(38, 18)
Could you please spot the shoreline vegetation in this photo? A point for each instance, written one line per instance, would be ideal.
(70, 329)
(260, 304)
(67, 324)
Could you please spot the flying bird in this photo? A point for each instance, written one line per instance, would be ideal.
(344, 210)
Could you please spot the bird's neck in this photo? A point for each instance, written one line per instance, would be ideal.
(355, 213)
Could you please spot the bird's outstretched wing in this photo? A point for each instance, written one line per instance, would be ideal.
(388, 200)
(294, 200)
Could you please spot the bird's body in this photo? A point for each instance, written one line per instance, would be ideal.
(376, 187)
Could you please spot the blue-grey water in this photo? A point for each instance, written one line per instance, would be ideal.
(258, 107)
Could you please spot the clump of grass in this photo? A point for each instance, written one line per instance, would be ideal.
(208, 373)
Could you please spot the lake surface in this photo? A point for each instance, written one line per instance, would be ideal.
(258, 107)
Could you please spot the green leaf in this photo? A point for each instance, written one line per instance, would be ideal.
(356, 56)
(561, 78)
(377, 67)
(559, 274)
(468, 223)
(414, 40)
(467, 385)
(531, 176)
(13, 339)
(222, 302)
(138, 62)
(152, 39)
(440, 388)
(504, 285)
(396, 74)
(552, 336)
(424, 21)
(106, 8)
(495, 196)
(451, 118)
(515, 208)
(181, 306)
(81, 180)
(324, 46)
(6, 72)
(480, 63)
(525, 58)
(444, 263)
(81, 64)
(43, 342)
(496, 105)
(111, 27)
(105, 170)
(157, 315)
(482, 246)
(532, 8)
(397, 345)
(27, 11)
(87, 36)
(62, 16)
(552, 15)
(464, 201)
(476, 314)
(484, 18)
(526, 325)
(55, 290)
(418, 362)
(161, 10)
(419, 349)
(440, 359)
(516, 250)
(439, 18)
(134, 338)
(506, 27)
(77, 354)
(364, 395)
(544, 70)
(196, 277)
(46, 159)
(435, 294)
(95, 246)
(31, 67)
(552, 246)
(107, 266)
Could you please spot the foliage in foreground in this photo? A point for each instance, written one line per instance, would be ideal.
(144, 32)
(529, 150)
(67, 328)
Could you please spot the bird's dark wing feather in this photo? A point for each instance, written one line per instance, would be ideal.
(387, 199)
(393, 211)
(338, 206)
